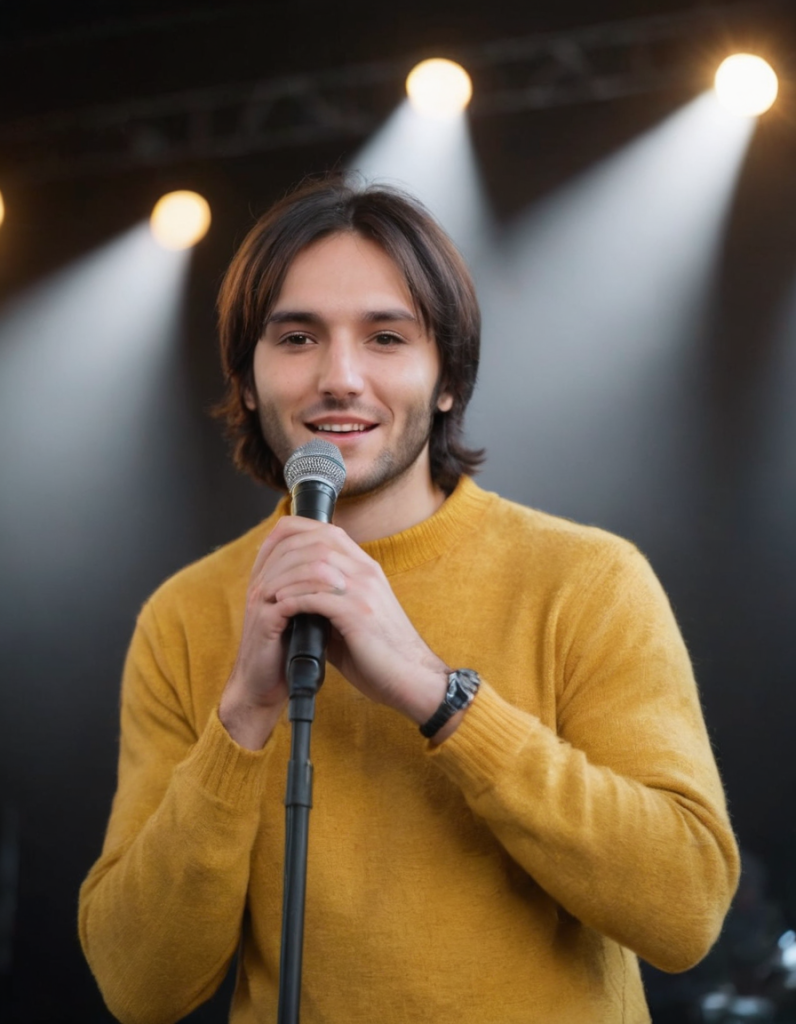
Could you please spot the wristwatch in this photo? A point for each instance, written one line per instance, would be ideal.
(463, 685)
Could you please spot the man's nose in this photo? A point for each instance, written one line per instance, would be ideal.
(341, 369)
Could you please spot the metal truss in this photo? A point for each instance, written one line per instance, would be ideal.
(585, 65)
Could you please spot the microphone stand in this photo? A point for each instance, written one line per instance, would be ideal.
(305, 673)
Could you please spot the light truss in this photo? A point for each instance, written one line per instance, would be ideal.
(585, 65)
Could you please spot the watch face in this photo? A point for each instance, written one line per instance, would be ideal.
(463, 687)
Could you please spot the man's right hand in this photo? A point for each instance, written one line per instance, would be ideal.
(256, 691)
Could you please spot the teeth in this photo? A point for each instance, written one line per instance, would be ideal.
(340, 428)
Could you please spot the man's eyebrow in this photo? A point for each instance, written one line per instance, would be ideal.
(378, 316)
(292, 316)
(372, 316)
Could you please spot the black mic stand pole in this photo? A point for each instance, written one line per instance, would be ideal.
(305, 673)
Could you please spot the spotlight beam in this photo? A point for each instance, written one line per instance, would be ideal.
(93, 349)
(434, 160)
(594, 318)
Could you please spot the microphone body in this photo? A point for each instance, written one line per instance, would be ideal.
(315, 474)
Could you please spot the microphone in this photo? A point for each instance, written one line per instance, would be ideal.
(314, 474)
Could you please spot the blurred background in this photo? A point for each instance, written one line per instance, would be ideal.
(634, 245)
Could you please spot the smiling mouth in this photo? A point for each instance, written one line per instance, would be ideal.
(341, 428)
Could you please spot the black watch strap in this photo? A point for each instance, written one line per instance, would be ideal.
(463, 685)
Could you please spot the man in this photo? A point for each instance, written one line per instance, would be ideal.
(565, 814)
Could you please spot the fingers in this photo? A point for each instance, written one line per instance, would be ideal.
(306, 557)
(286, 527)
(307, 578)
(315, 603)
(295, 532)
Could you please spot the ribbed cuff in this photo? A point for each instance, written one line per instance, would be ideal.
(227, 771)
(488, 737)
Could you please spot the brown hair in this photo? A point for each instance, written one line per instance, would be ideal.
(439, 284)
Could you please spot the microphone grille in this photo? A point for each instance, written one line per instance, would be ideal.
(316, 460)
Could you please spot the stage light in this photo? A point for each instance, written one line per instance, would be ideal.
(2, 209)
(439, 88)
(746, 85)
(180, 220)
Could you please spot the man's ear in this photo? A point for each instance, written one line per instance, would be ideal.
(249, 400)
(445, 402)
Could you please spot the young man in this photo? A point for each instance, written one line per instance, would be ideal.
(511, 867)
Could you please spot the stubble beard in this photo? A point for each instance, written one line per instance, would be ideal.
(390, 464)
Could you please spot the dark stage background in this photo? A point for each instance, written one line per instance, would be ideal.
(707, 489)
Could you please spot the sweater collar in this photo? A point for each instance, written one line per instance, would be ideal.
(457, 516)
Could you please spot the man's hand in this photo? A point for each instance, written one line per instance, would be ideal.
(306, 566)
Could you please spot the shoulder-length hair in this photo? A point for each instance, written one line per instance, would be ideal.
(439, 284)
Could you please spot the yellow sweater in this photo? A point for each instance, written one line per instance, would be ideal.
(509, 876)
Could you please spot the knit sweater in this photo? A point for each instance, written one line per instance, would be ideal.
(574, 820)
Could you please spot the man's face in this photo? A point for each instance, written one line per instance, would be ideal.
(344, 356)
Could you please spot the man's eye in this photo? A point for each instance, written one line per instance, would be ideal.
(298, 340)
(385, 340)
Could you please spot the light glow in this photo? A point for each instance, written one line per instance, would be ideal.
(439, 88)
(180, 220)
(2, 209)
(746, 85)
